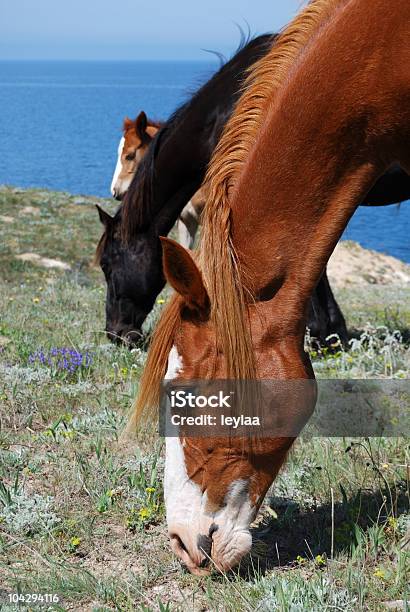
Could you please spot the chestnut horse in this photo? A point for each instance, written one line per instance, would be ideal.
(336, 86)
(137, 136)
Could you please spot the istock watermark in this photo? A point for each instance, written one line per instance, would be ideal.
(184, 399)
(285, 408)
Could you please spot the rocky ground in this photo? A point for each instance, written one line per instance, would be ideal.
(351, 265)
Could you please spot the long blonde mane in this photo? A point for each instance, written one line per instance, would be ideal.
(224, 279)
(218, 261)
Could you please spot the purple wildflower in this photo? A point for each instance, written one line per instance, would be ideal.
(62, 359)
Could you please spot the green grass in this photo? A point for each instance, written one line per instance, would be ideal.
(81, 512)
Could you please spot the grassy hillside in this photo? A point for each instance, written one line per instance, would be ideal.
(81, 514)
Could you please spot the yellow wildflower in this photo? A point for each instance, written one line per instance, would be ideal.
(379, 573)
(143, 513)
(69, 434)
(300, 560)
(75, 542)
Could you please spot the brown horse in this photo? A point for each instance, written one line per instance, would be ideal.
(137, 136)
(274, 215)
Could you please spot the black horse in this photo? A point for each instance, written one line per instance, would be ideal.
(171, 171)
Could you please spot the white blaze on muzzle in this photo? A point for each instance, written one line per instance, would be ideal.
(182, 495)
(188, 520)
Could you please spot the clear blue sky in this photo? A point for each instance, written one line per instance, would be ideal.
(132, 29)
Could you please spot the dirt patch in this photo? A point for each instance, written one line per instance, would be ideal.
(4, 341)
(6, 219)
(44, 262)
(30, 210)
(351, 265)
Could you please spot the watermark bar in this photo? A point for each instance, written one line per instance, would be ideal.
(285, 408)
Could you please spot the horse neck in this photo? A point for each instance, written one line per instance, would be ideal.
(330, 135)
(192, 134)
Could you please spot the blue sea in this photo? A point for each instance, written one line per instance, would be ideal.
(60, 124)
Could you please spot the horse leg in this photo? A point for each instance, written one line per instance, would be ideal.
(187, 226)
(317, 320)
(325, 317)
(337, 322)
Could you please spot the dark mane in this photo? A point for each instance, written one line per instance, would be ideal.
(137, 206)
(244, 39)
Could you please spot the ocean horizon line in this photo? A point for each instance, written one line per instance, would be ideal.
(207, 60)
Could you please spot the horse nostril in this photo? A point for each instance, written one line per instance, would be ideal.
(205, 562)
(204, 544)
(195, 560)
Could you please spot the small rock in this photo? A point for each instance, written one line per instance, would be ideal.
(45, 262)
(79, 201)
(399, 604)
(30, 210)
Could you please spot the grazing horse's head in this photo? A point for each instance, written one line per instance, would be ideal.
(134, 277)
(136, 138)
(213, 485)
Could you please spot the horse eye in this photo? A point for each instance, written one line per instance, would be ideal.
(130, 156)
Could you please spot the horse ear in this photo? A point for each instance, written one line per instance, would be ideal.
(127, 124)
(183, 275)
(105, 218)
(141, 124)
